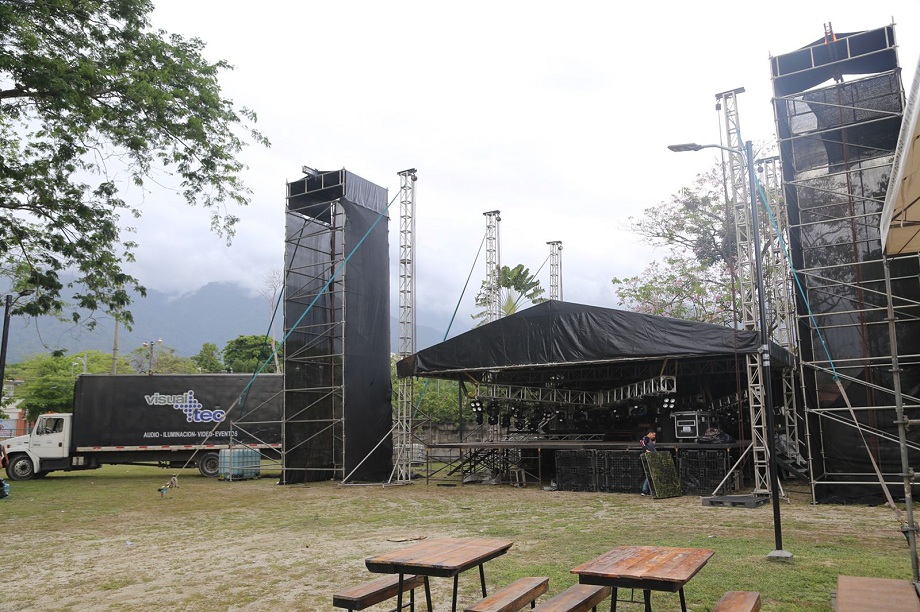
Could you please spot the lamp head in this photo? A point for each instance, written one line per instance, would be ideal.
(688, 146)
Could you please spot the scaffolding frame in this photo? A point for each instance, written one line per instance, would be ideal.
(838, 206)
(318, 407)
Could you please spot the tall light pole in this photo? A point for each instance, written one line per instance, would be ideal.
(7, 306)
(151, 346)
(764, 335)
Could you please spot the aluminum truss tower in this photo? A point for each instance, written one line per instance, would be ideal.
(555, 269)
(493, 266)
(837, 144)
(402, 427)
(736, 178)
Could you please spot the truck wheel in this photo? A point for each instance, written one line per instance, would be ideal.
(209, 465)
(20, 468)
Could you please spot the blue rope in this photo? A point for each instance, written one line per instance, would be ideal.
(795, 274)
(335, 274)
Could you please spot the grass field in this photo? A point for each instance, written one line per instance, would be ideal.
(106, 540)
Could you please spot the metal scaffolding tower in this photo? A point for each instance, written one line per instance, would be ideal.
(402, 427)
(314, 402)
(837, 144)
(493, 266)
(555, 269)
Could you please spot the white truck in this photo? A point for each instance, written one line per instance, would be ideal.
(169, 421)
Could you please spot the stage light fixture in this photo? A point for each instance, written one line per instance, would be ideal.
(476, 405)
(479, 418)
(505, 420)
(560, 416)
(668, 403)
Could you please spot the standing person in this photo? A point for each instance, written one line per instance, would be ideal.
(648, 445)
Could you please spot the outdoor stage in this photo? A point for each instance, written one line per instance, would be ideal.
(581, 465)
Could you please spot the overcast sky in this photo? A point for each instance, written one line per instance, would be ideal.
(556, 114)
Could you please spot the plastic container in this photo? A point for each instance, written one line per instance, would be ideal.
(239, 464)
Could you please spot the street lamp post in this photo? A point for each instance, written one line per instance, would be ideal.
(764, 335)
(151, 346)
(7, 307)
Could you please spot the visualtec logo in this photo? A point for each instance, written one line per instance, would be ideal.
(186, 402)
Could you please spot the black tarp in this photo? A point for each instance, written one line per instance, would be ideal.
(338, 412)
(556, 334)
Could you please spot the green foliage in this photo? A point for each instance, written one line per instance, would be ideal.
(248, 353)
(434, 400)
(208, 358)
(48, 380)
(694, 281)
(159, 359)
(91, 98)
(515, 284)
(680, 287)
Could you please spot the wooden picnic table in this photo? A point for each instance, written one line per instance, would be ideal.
(442, 558)
(857, 594)
(649, 568)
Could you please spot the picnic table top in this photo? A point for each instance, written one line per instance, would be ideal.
(659, 564)
(857, 593)
(439, 556)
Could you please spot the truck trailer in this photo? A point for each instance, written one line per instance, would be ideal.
(171, 421)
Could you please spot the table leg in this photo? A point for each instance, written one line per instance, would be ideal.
(482, 579)
(427, 594)
(454, 606)
(648, 600)
(683, 602)
(399, 593)
(613, 599)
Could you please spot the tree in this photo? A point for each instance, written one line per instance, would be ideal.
(515, 284)
(160, 360)
(208, 358)
(695, 281)
(48, 380)
(248, 354)
(90, 96)
(273, 285)
(432, 399)
(680, 287)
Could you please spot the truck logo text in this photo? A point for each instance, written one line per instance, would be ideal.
(186, 402)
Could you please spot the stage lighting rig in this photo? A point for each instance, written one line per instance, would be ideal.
(668, 403)
(476, 407)
(494, 409)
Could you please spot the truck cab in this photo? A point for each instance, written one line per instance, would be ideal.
(45, 449)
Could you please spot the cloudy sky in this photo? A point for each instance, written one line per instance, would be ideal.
(556, 114)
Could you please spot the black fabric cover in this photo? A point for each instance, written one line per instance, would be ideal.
(557, 333)
(342, 341)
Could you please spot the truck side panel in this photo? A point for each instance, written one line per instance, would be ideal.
(176, 410)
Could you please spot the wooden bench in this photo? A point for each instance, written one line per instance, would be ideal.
(739, 601)
(576, 598)
(857, 594)
(513, 597)
(377, 590)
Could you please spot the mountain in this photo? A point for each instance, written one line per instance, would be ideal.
(217, 313)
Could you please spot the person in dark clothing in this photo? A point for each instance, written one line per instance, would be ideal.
(648, 444)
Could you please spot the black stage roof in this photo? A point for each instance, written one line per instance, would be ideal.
(524, 348)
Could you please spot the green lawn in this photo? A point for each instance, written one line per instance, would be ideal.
(107, 540)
